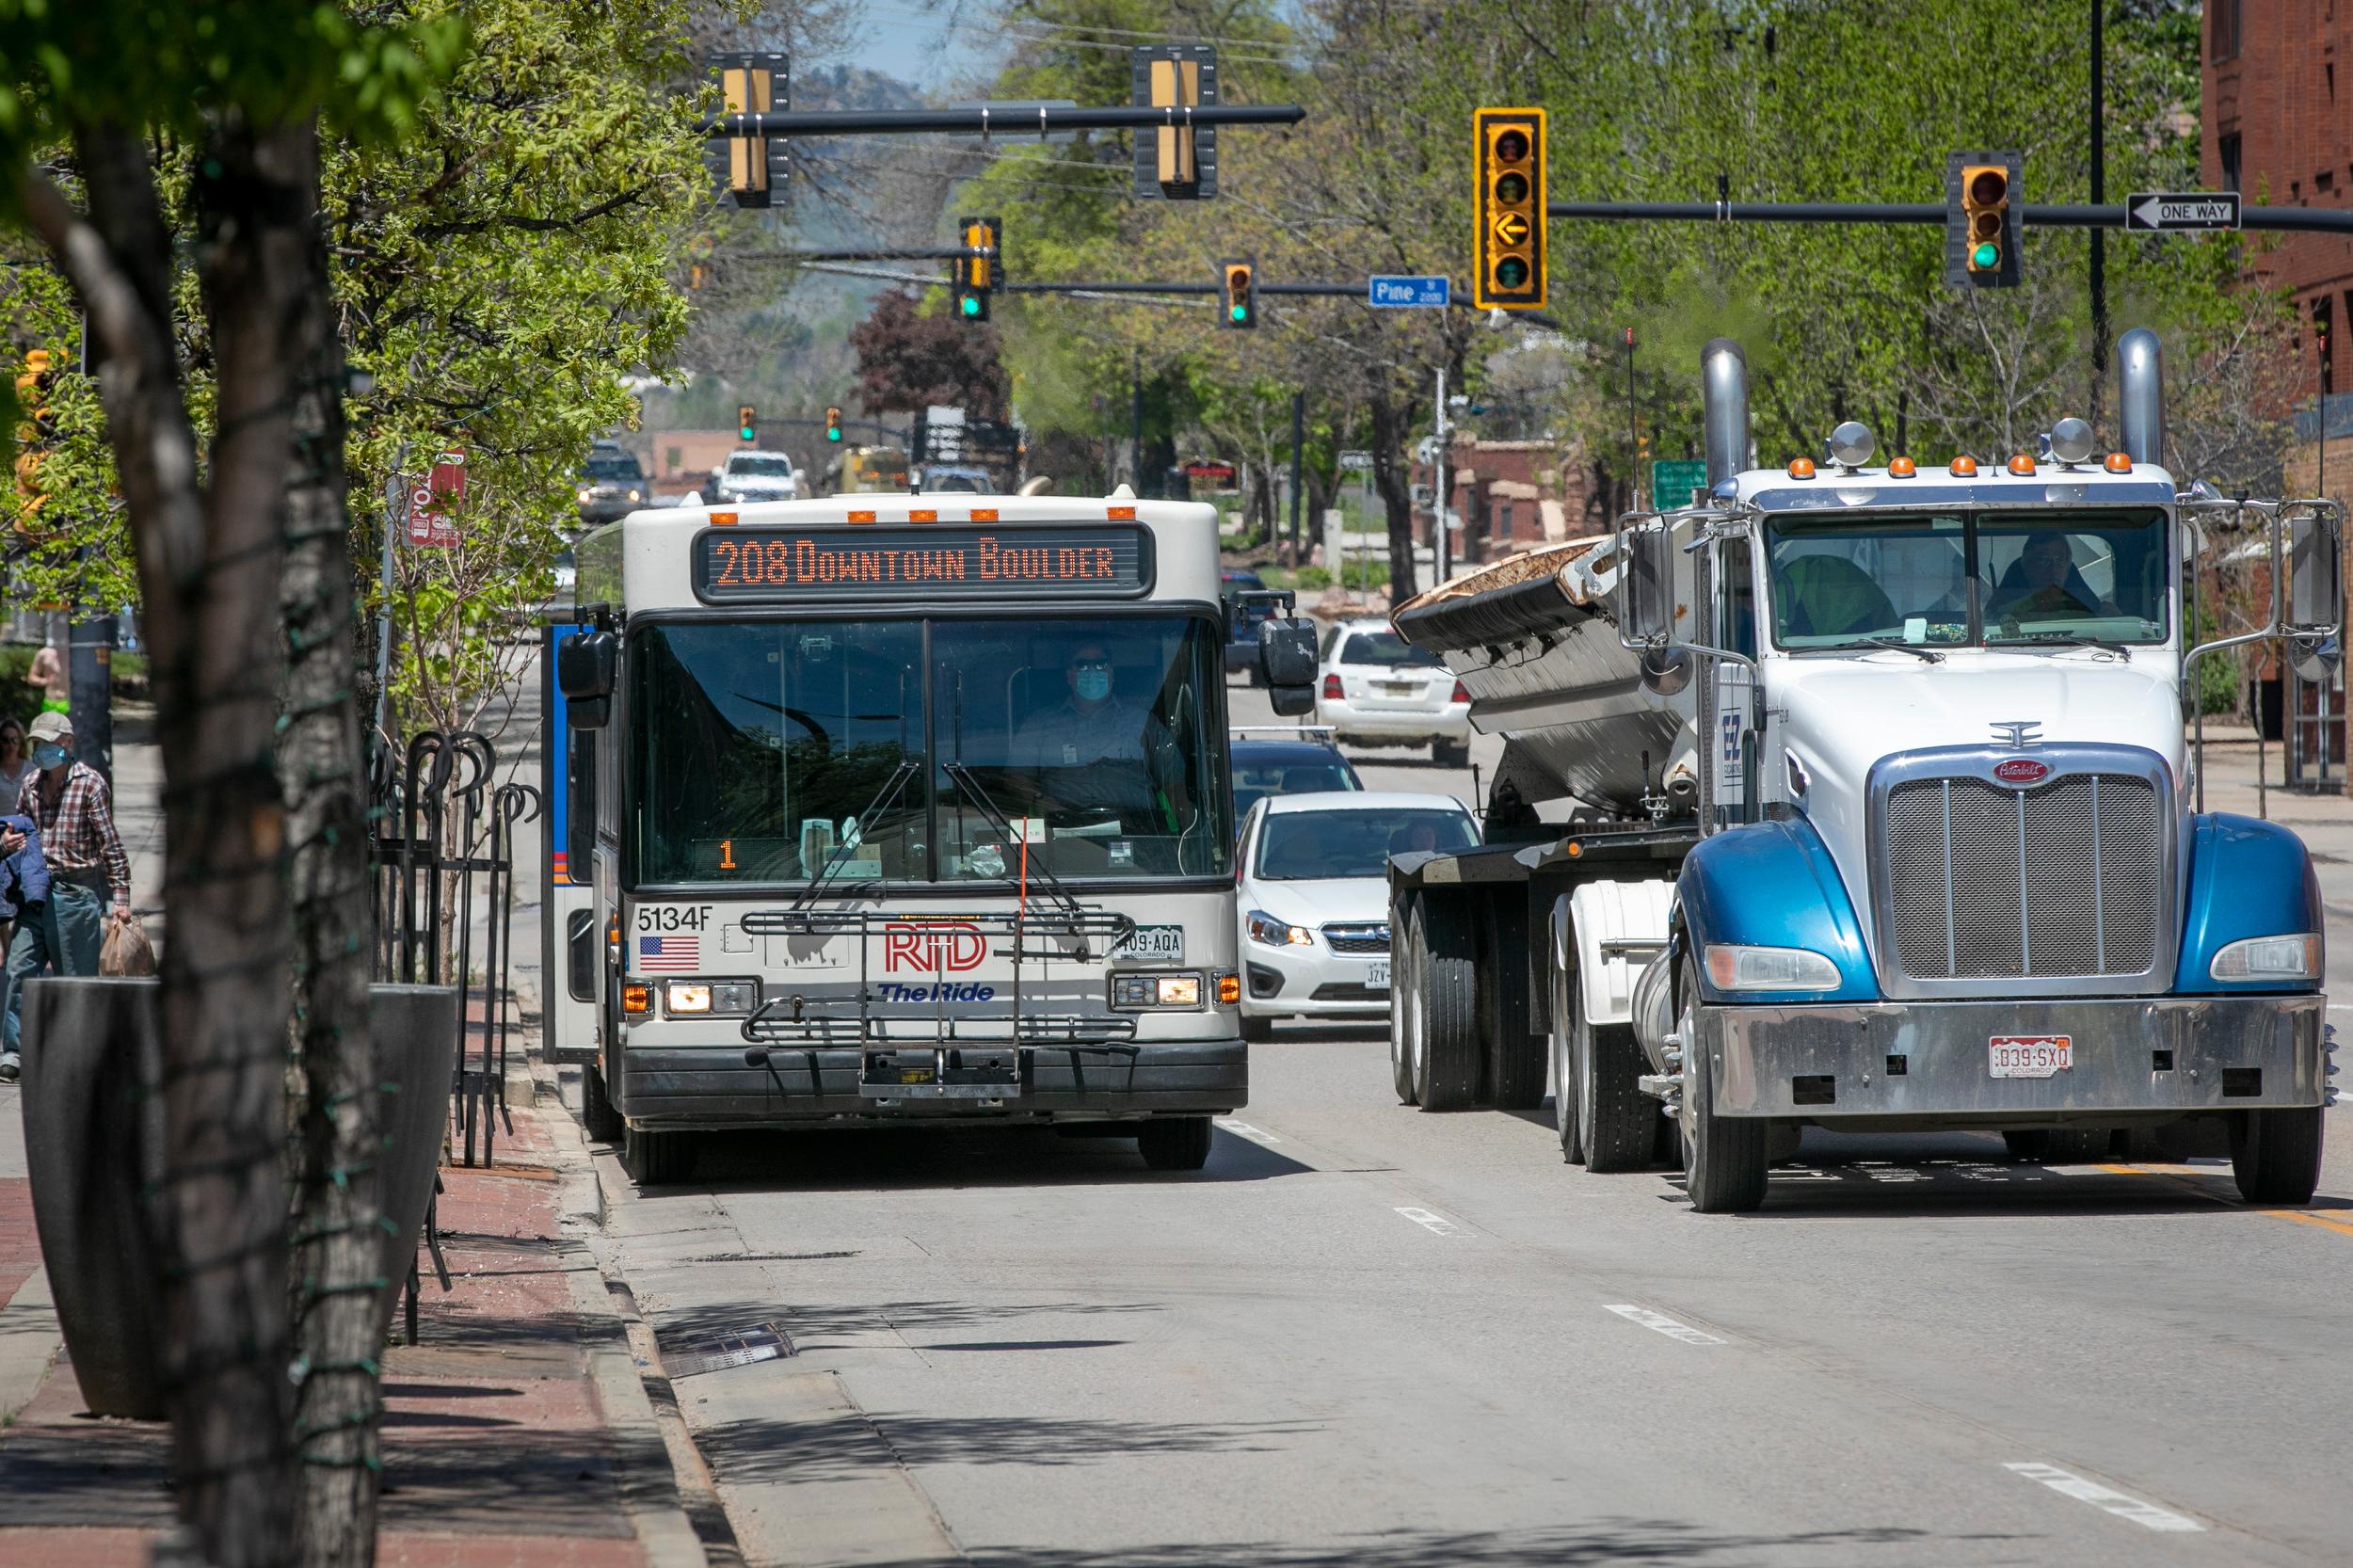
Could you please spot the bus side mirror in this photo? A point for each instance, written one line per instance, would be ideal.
(1646, 585)
(1287, 657)
(584, 666)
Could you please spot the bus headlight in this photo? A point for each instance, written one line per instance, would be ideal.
(686, 996)
(1137, 993)
(725, 998)
(1265, 928)
(2270, 958)
(1742, 968)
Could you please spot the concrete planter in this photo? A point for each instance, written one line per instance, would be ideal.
(93, 1142)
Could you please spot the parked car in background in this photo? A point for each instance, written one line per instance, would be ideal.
(1246, 610)
(612, 485)
(1286, 760)
(1233, 580)
(1314, 899)
(1374, 688)
(754, 475)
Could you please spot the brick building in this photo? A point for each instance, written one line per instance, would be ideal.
(1512, 496)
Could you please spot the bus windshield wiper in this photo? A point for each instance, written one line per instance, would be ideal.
(2066, 639)
(884, 798)
(1927, 654)
(969, 786)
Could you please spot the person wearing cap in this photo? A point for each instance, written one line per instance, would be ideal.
(74, 809)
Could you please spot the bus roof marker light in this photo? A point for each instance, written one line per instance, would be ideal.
(724, 519)
(1120, 514)
(923, 514)
(861, 517)
(984, 514)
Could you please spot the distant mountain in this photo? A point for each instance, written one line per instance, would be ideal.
(851, 87)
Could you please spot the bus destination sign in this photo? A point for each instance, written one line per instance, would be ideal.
(737, 565)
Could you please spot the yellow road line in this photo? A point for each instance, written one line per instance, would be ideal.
(2174, 1173)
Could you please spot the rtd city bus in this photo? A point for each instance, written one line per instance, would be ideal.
(896, 809)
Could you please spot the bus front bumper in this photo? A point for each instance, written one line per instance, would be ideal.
(796, 1085)
(1932, 1062)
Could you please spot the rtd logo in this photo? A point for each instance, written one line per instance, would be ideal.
(944, 947)
(2022, 770)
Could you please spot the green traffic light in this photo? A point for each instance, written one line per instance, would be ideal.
(1986, 257)
(1240, 312)
(833, 433)
(971, 304)
(745, 434)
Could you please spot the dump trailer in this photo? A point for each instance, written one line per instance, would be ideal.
(1862, 796)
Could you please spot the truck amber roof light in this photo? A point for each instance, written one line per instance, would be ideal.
(1801, 467)
(2119, 462)
(1120, 514)
(1963, 467)
(724, 520)
(1901, 468)
(2023, 466)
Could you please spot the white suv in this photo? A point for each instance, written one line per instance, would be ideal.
(754, 475)
(1375, 688)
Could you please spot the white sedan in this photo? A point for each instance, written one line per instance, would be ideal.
(1315, 899)
(1377, 689)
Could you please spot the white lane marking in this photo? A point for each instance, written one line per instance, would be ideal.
(1436, 1224)
(2147, 1515)
(1660, 1322)
(1246, 1131)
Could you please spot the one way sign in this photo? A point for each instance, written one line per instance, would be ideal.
(2163, 211)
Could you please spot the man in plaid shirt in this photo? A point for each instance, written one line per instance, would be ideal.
(76, 811)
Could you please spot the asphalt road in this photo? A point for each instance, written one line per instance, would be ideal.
(1365, 1334)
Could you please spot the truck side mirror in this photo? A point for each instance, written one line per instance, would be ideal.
(2316, 572)
(1646, 585)
(586, 663)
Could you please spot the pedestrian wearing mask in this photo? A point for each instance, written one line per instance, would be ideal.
(74, 808)
(16, 766)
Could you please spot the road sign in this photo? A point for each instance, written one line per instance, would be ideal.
(433, 504)
(2155, 212)
(1405, 292)
(1677, 482)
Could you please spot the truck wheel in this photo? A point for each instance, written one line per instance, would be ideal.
(1723, 1156)
(1257, 1031)
(1563, 1073)
(1175, 1143)
(2276, 1154)
(1447, 1063)
(1618, 1122)
(2057, 1146)
(657, 1159)
(1405, 999)
(597, 1116)
(1515, 1058)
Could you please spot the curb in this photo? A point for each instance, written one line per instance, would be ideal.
(31, 1342)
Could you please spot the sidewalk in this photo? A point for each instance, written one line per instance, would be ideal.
(517, 1431)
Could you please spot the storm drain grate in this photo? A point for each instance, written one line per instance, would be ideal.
(716, 1352)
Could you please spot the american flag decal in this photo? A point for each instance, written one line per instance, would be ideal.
(668, 954)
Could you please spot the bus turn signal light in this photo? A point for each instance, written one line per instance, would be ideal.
(637, 997)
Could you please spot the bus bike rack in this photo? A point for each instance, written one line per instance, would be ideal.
(963, 1064)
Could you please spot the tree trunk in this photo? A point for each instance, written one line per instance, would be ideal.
(1393, 479)
(322, 776)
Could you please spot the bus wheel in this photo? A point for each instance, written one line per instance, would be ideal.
(657, 1159)
(1175, 1143)
(597, 1115)
(1446, 996)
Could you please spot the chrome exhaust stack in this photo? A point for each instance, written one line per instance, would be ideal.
(1724, 397)
(2140, 395)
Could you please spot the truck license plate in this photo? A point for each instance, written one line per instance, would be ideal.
(1376, 977)
(1154, 944)
(2030, 1055)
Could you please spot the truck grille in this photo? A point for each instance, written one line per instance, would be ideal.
(1357, 938)
(2065, 879)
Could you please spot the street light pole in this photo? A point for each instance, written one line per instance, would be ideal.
(1441, 547)
(2099, 197)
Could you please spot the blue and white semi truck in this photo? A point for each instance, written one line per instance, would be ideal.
(1883, 813)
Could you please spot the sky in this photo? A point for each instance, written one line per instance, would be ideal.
(930, 46)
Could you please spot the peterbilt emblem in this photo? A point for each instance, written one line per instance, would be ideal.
(2021, 769)
(2018, 734)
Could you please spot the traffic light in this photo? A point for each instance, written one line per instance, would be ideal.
(1981, 219)
(1508, 209)
(35, 432)
(832, 426)
(976, 277)
(747, 423)
(1241, 297)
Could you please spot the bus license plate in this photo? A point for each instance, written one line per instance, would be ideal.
(2030, 1055)
(1376, 977)
(1154, 944)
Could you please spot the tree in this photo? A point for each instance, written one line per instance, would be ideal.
(909, 361)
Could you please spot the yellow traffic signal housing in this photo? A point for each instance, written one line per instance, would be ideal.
(977, 276)
(833, 424)
(1508, 209)
(1981, 219)
(34, 433)
(747, 423)
(1241, 298)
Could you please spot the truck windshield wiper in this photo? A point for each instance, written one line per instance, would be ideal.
(2066, 639)
(1927, 654)
(884, 798)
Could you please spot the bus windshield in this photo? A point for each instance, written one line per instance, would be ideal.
(913, 751)
(1959, 579)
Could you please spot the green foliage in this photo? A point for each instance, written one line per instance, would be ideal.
(75, 549)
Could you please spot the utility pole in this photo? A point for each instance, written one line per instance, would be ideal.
(1440, 546)
(1299, 454)
(1135, 417)
(2099, 196)
(1633, 431)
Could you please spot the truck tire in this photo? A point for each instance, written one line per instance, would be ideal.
(1447, 1063)
(597, 1116)
(1515, 1058)
(1175, 1143)
(2276, 1154)
(2058, 1146)
(657, 1159)
(1618, 1122)
(1404, 998)
(1564, 1073)
(1723, 1157)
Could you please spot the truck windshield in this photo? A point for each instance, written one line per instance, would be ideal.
(766, 752)
(1958, 579)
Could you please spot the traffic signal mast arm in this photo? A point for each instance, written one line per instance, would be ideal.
(2035, 214)
(1046, 119)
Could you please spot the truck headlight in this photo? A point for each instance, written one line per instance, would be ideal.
(1739, 969)
(1264, 927)
(2270, 958)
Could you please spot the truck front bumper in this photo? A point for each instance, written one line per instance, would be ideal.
(698, 1086)
(2134, 1058)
